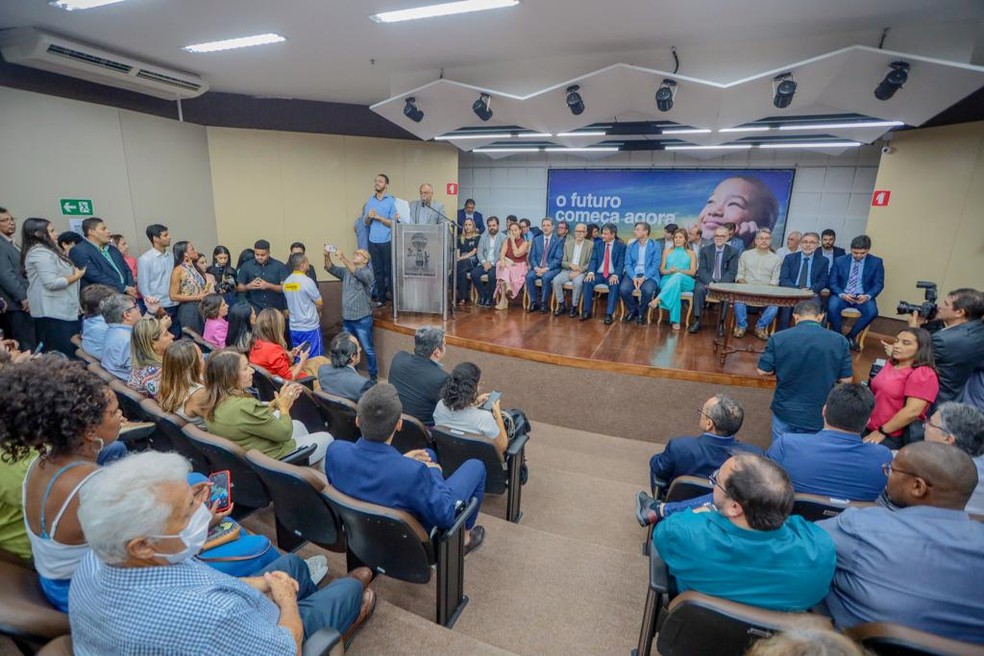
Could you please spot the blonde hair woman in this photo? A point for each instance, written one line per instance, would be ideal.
(270, 349)
(150, 339)
(182, 386)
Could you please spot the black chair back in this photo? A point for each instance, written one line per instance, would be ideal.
(412, 435)
(169, 436)
(688, 487)
(309, 412)
(206, 347)
(248, 491)
(894, 640)
(130, 400)
(342, 416)
(302, 513)
(266, 384)
(454, 447)
(814, 507)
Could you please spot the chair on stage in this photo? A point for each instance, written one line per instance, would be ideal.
(687, 297)
(567, 287)
(538, 283)
(854, 314)
(474, 290)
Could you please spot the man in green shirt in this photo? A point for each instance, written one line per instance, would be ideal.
(748, 548)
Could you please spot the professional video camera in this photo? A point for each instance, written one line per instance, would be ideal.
(927, 309)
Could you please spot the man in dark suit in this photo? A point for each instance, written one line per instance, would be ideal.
(804, 269)
(469, 213)
(103, 262)
(418, 376)
(717, 263)
(340, 377)
(827, 248)
(13, 286)
(855, 282)
(607, 262)
(642, 261)
(546, 254)
(372, 470)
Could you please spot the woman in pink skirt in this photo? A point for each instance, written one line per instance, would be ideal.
(510, 271)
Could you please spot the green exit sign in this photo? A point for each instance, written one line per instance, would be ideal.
(76, 206)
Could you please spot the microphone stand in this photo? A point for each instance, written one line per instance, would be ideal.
(452, 226)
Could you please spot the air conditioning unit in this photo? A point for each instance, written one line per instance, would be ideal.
(30, 47)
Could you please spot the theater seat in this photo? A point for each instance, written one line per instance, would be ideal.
(814, 507)
(454, 447)
(25, 615)
(170, 438)
(894, 640)
(205, 346)
(130, 400)
(680, 489)
(97, 368)
(267, 384)
(393, 542)
(88, 358)
(341, 413)
(412, 435)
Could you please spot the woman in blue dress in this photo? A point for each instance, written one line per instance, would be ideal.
(678, 270)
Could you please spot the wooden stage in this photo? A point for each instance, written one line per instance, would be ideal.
(650, 350)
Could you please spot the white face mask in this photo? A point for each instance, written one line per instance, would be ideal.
(193, 536)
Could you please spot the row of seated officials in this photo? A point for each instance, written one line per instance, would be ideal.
(911, 556)
(70, 499)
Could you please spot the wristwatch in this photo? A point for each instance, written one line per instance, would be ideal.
(881, 429)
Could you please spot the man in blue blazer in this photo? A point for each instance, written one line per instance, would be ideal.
(807, 268)
(372, 470)
(855, 281)
(469, 213)
(103, 262)
(546, 255)
(642, 259)
(607, 264)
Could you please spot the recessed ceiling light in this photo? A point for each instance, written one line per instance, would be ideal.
(595, 149)
(72, 5)
(239, 42)
(444, 9)
(750, 128)
(488, 135)
(506, 150)
(597, 133)
(721, 147)
(685, 131)
(842, 126)
(813, 144)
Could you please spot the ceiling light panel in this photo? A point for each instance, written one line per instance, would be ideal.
(685, 131)
(597, 133)
(841, 126)
(239, 42)
(721, 147)
(813, 144)
(443, 9)
(73, 5)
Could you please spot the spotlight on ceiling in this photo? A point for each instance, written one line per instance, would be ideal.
(665, 95)
(574, 101)
(483, 107)
(895, 80)
(411, 112)
(783, 89)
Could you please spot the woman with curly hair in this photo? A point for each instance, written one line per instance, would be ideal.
(460, 403)
(150, 339)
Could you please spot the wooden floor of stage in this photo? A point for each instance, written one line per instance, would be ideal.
(650, 350)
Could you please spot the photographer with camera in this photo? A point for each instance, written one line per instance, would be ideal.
(958, 336)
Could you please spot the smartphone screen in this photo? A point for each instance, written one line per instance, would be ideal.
(38, 348)
(221, 491)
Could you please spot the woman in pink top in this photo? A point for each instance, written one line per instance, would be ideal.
(214, 309)
(510, 271)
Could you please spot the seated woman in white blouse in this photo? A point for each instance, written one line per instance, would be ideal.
(459, 407)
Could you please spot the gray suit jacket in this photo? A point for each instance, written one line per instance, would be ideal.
(585, 258)
(342, 381)
(483, 246)
(48, 290)
(425, 215)
(13, 285)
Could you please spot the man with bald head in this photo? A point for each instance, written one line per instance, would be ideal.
(426, 210)
(918, 564)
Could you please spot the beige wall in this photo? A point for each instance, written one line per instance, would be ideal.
(286, 187)
(933, 227)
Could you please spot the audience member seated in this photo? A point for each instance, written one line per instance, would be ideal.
(573, 266)
(835, 462)
(270, 350)
(717, 264)
(962, 426)
(231, 412)
(958, 339)
(678, 270)
(607, 263)
(918, 564)
(372, 470)
(511, 269)
(757, 266)
(94, 325)
(719, 421)
(793, 240)
(182, 383)
(150, 339)
(339, 377)
(807, 361)
(418, 376)
(121, 313)
(905, 389)
(642, 260)
(807, 642)
(461, 407)
(489, 248)
(142, 590)
(855, 282)
(803, 269)
(242, 318)
(734, 240)
(751, 550)
(13, 533)
(214, 310)
(546, 256)
(828, 249)
(466, 258)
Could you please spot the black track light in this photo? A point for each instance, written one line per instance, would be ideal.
(784, 88)
(483, 107)
(665, 95)
(894, 80)
(574, 101)
(411, 112)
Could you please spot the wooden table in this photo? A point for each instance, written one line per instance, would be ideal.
(756, 295)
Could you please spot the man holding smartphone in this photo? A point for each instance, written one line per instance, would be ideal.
(357, 282)
(304, 303)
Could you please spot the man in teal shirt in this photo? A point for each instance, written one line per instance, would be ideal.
(748, 548)
(379, 214)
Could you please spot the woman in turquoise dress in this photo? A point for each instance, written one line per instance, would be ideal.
(678, 270)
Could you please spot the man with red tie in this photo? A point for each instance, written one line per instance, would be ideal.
(607, 261)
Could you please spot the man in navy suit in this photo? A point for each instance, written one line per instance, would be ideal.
(804, 269)
(827, 248)
(855, 282)
(372, 470)
(607, 262)
(469, 213)
(642, 259)
(103, 262)
(546, 254)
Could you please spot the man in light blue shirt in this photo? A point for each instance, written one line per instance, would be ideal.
(304, 304)
(121, 313)
(154, 270)
(379, 214)
(918, 564)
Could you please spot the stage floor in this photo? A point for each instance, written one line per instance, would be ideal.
(650, 350)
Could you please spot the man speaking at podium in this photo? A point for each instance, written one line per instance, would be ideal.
(426, 210)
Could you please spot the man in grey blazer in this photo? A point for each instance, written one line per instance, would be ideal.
(426, 210)
(489, 247)
(13, 286)
(577, 256)
(340, 377)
